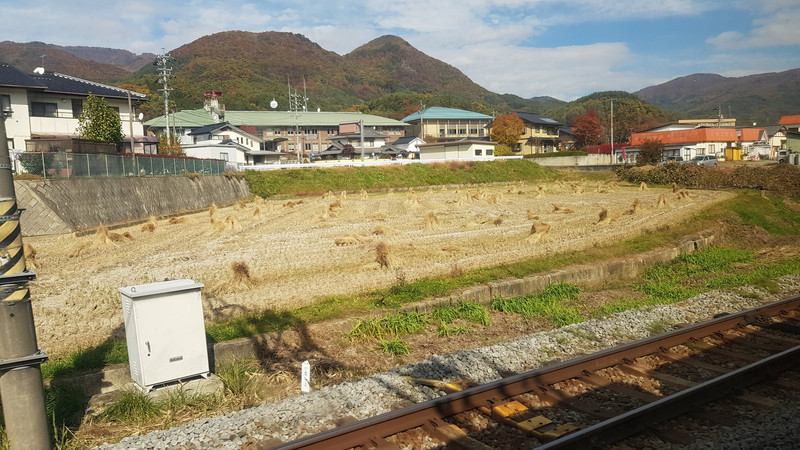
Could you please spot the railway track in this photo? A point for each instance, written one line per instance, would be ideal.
(645, 387)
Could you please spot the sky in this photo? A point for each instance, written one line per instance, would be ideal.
(560, 48)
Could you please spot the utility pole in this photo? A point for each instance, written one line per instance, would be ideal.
(20, 357)
(164, 74)
(294, 106)
(612, 131)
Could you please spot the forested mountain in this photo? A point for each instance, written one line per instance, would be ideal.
(761, 98)
(31, 55)
(386, 76)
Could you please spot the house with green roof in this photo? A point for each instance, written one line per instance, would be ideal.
(282, 131)
(448, 124)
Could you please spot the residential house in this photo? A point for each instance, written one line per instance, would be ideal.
(541, 134)
(282, 131)
(753, 141)
(687, 142)
(776, 135)
(404, 147)
(447, 124)
(47, 105)
(455, 150)
(229, 143)
(363, 140)
(791, 123)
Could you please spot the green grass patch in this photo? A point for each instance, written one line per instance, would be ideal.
(394, 347)
(445, 330)
(133, 407)
(389, 325)
(318, 180)
(107, 353)
(469, 311)
(552, 304)
(236, 375)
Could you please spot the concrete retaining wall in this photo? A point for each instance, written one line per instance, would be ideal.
(67, 205)
(591, 159)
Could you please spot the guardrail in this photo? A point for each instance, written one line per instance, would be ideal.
(69, 165)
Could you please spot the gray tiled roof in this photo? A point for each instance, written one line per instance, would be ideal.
(11, 76)
(60, 83)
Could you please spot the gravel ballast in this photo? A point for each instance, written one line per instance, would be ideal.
(328, 407)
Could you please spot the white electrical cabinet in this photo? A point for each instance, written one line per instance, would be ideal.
(165, 331)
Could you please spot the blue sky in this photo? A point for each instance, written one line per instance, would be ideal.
(561, 48)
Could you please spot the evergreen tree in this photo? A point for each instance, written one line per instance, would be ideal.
(98, 122)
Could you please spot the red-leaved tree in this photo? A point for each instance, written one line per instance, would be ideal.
(586, 129)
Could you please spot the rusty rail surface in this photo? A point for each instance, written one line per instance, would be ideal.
(373, 430)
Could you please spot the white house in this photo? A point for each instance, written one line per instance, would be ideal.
(228, 143)
(466, 149)
(46, 105)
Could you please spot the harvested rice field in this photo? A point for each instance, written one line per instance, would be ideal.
(282, 254)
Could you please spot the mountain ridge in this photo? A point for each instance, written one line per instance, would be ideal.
(386, 75)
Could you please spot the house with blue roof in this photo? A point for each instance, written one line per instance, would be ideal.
(448, 124)
(46, 106)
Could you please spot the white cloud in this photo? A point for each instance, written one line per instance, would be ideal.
(777, 29)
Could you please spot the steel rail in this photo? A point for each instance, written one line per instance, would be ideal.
(373, 430)
(637, 420)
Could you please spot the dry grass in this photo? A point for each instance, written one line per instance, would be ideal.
(176, 220)
(382, 255)
(294, 260)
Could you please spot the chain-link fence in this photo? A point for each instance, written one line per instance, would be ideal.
(65, 165)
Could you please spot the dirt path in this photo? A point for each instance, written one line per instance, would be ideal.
(297, 251)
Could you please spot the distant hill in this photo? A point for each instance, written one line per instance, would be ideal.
(27, 57)
(385, 76)
(761, 98)
(121, 58)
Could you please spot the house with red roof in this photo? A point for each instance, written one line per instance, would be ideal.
(690, 142)
(791, 123)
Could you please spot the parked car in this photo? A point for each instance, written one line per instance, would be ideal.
(783, 156)
(673, 159)
(704, 160)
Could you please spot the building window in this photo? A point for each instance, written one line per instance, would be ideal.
(478, 152)
(223, 156)
(41, 109)
(77, 107)
(308, 147)
(315, 147)
(451, 131)
(441, 132)
(489, 152)
(5, 102)
(462, 131)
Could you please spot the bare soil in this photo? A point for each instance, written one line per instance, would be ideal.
(283, 254)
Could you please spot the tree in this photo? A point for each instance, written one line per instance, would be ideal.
(98, 122)
(650, 152)
(586, 129)
(507, 129)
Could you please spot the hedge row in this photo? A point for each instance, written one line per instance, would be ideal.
(782, 179)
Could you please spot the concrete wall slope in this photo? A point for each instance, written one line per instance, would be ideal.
(74, 204)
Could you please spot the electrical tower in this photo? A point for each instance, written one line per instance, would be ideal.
(164, 74)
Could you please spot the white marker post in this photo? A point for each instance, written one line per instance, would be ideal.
(305, 377)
